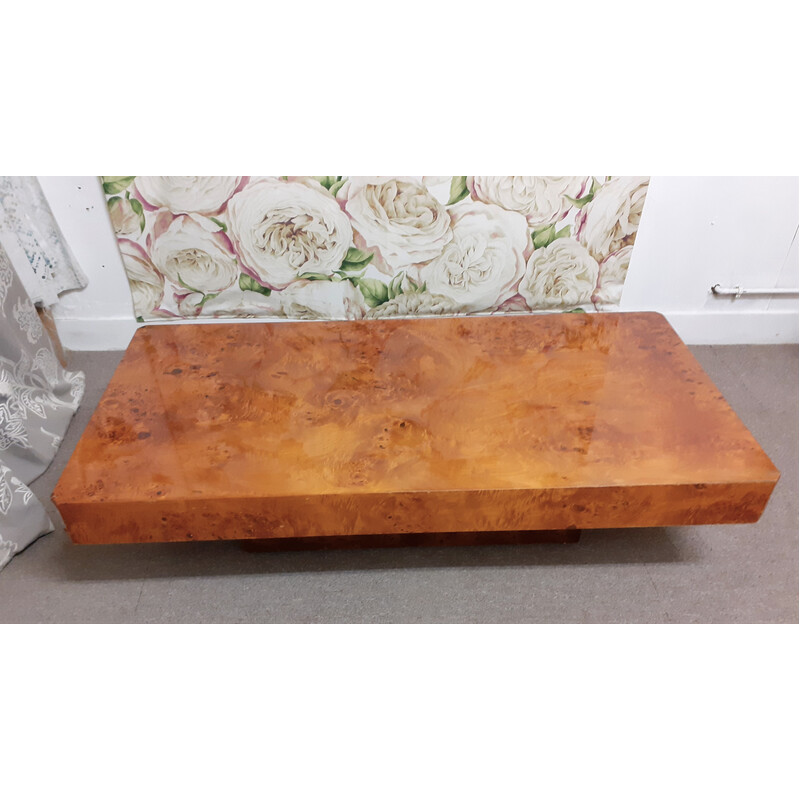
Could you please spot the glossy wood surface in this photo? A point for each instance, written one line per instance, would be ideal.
(505, 423)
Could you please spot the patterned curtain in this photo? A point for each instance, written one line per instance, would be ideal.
(37, 400)
(33, 242)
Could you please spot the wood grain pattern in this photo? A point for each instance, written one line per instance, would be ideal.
(504, 423)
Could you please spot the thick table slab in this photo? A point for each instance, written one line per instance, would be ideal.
(412, 426)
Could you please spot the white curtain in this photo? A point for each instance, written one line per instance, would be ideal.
(33, 242)
(38, 397)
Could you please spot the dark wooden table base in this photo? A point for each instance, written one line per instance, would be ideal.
(409, 540)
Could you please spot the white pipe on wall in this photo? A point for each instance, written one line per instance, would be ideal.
(738, 291)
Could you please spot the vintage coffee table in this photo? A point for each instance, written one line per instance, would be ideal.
(443, 430)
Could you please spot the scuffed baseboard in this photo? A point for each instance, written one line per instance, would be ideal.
(735, 327)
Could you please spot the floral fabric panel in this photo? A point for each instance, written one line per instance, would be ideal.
(333, 247)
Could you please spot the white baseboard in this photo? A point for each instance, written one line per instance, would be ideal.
(99, 333)
(735, 327)
(739, 327)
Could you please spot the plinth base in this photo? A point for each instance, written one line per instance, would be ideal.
(410, 540)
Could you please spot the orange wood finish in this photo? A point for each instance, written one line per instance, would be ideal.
(499, 423)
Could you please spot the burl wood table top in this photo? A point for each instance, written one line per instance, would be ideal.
(389, 426)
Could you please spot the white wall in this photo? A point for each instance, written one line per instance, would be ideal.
(99, 317)
(695, 232)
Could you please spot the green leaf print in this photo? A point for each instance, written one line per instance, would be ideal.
(222, 225)
(458, 189)
(206, 298)
(137, 207)
(375, 292)
(114, 184)
(356, 260)
(314, 276)
(185, 285)
(249, 284)
(336, 186)
(329, 181)
(587, 198)
(564, 233)
(542, 237)
(396, 286)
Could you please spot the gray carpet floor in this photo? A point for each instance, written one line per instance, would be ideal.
(726, 573)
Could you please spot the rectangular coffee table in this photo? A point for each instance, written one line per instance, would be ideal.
(419, 430)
